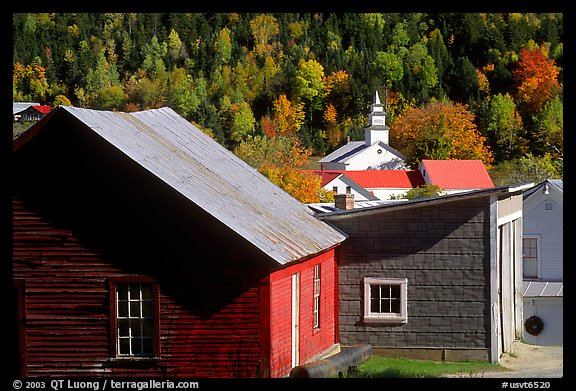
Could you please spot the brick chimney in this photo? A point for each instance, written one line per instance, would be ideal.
(344, 201)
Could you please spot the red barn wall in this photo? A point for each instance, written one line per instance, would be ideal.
(66, 303)
(312, 341)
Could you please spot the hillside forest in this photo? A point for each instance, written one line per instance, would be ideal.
(282, 89)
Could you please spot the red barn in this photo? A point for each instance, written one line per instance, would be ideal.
(141, 247)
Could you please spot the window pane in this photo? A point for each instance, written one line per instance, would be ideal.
(134, 309)
(122, 309)
(395, 291)
(147, 309)
(136, 344)
(122, 292)
(395, 306)
(124, 346)
(147, 292)
(374, 298)
(148, 328)
(123, 327)
(148, 346)
(134, 291)
(136, 327)
(530, 268)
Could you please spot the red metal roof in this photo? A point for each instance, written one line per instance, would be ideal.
(327, 176)
(457, 174)
(395, 179)
(44, 109)
(376, 179)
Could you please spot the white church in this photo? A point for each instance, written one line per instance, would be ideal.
(374, 153)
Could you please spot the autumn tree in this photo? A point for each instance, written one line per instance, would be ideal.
(243, 121)
(29, 81)
(439, 130)
(504, 128)
(288, 116)
(536, 79)
(280, 159)
(264, 28)
(309, 82)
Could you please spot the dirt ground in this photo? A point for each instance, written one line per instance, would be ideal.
(530, 361)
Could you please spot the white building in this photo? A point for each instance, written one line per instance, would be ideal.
(543, 258)
(373, 153)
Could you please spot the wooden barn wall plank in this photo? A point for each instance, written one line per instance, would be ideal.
(68, 314)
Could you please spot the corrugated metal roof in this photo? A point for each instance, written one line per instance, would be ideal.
(543, 289)
(423, 201)
(458, 174)
(375, 179)
(328, 207)
(392, 179)
(215, 179)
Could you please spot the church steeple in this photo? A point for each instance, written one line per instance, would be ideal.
(377, 130)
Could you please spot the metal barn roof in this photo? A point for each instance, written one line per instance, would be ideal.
(458, 174)
(209, 175)
(543, 289)
(400, 179)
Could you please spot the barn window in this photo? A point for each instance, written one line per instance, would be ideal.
(317, 296)
(530, 257)
(136, 326)
(385, 300)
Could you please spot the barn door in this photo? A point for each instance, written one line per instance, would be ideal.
(295, 319)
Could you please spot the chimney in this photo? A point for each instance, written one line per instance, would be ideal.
(344, 201)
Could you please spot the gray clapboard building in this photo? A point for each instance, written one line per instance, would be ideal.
(437, 278)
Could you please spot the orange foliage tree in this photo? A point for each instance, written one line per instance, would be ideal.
(439, 130)
(280, 159)
(536, 79)
(287, 118)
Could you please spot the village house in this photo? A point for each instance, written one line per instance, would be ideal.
(543, 263)
(437, 278)
(371, 185)
(452, 176)
(28, 112)
(141, 247)
(374, 153)
(456, 176)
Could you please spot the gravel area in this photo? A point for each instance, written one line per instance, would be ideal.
(528, 361)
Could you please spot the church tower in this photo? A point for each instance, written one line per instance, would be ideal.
(377, 131)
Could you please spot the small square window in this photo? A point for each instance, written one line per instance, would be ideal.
(385, 300)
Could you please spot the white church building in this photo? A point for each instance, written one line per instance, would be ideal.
(374, 153)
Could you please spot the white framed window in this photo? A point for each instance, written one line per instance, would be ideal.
(385, 300)
(135, 308)
(316, 296)
(530, 256)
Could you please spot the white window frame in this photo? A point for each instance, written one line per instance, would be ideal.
(124, 314)
(537, 238)
(381, 317)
